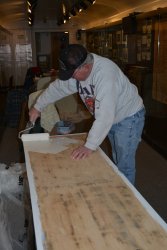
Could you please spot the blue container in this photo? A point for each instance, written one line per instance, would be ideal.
(64, 127)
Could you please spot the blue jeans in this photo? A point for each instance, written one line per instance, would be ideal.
(124, 138)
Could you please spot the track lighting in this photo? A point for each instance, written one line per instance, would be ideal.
(30, 19)
(31, 4)
(74, 9)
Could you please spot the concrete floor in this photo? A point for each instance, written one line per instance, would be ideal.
(151, 178)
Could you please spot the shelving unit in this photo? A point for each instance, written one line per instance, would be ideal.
(113, 43)
(144, 43)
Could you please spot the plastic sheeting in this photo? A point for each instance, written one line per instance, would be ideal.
(12, 230)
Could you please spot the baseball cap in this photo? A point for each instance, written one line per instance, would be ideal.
(70, 59)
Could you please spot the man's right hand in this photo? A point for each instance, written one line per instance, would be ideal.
(33, 114)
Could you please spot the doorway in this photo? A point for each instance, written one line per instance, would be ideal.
(48, 46)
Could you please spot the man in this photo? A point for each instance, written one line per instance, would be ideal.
(108, 94)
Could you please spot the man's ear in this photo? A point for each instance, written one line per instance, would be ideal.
(88, 67)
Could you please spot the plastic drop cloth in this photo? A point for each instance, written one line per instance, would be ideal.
(11, 207)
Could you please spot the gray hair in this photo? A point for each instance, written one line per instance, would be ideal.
(89, 59)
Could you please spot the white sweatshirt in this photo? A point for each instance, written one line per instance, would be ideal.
(107, 93)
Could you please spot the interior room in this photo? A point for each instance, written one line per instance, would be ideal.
(33, 33)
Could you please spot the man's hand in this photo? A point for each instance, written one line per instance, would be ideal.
(81, 153)
(34, 114)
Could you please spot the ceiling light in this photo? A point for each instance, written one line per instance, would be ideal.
(67, 13)
(29, 3)
(78, 7)
(29, 10)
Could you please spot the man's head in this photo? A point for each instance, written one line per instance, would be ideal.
(71, 60)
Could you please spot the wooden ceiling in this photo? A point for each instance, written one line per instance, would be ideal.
(13, 13)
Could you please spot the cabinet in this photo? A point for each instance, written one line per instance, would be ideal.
(111, 42)
(144, 42)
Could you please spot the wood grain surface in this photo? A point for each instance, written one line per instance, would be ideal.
(85, 205)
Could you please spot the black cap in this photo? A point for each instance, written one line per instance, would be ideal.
(70, 59)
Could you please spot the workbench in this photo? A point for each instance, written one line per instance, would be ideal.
(86, 204)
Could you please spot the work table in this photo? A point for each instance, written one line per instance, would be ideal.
(86, 204)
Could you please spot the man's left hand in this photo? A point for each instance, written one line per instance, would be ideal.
(81, 153)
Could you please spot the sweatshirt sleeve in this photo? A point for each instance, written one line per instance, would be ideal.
(105, 106)
(56, 91)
